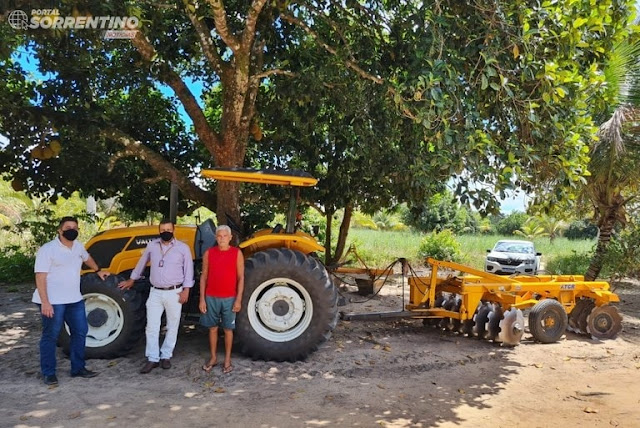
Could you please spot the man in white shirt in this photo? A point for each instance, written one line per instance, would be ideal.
(171, 279)
(57, 269)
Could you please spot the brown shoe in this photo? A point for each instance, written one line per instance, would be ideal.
(150, 365)
(165, 364)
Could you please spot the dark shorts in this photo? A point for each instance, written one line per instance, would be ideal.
(219, 313)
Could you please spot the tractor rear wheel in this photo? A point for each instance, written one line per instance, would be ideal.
(290, 306)
(548, 321)
(116, 318)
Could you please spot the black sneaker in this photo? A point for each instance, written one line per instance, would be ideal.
(50, 380)
(85, 374)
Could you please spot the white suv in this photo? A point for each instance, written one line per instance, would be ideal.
(508, 257)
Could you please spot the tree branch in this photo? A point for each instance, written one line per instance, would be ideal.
(162, 167)
(171, 78)
(220, 19)
(272, 72)
(249, 32)
(209, 48)
(349, 63)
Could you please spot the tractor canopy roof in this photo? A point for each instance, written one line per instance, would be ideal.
(263, 176)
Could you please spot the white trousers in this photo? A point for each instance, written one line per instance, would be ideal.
(160, 301)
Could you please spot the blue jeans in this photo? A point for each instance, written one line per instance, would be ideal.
(74, 315)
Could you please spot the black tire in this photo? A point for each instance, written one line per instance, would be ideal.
(116, 318)
(547, 321)
(290, 306)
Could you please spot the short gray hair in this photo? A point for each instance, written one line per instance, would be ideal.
(223, 227)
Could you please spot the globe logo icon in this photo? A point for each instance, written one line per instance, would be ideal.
(18, 20)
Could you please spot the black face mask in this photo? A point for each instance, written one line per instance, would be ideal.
(166, 236)
(70, 234)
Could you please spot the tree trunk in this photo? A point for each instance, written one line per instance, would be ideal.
(344, 232)
(327, 237)
(229, 154)
(606, 229)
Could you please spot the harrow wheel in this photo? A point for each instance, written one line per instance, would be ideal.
(480, 319)
(493, 323)
(548, 321)
(511, 327)
(604, 322)
(578, 313)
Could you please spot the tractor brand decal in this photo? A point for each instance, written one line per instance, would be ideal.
(141, 241)
(568, 287)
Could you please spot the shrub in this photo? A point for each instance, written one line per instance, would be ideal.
(623, 254)
(575, 263)
(15, 266)
(441, 246)
(511, 223)
(581, 229)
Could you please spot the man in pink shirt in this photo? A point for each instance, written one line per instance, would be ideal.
(171, 279)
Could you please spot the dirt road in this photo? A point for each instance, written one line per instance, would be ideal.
(391, 374)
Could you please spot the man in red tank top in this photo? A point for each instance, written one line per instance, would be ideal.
(221, 287)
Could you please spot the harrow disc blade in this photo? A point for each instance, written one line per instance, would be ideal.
(584, 314)
(480, 319)
(604, 322)
(579, 313)
(511, 327)
(493, 323)
(445, 323)
(454, 323)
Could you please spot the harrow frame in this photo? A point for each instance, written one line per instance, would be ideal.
(490, 306)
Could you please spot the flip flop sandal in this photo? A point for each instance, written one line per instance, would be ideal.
(207, 368)
(228, 369)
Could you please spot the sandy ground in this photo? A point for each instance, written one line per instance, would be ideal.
(390, 373)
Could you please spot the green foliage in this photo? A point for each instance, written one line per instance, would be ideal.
(581, 229)
(623, 254)
(380, 248)
(441, 212)
(511, 223)
(383, 101)
(441, 246)
(363, 221)
(388, 220)
(15, 266)
(530, 230)
(574, 263)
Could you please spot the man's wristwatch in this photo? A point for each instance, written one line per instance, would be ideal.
(97, 270)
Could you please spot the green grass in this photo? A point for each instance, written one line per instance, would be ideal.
(380, 248)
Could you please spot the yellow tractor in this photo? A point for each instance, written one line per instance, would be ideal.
(290, 303)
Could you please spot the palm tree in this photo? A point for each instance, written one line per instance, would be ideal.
(552, 226)
(614, 169)
(531, 229)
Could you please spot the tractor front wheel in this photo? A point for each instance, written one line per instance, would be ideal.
(116, 318)
(290, 306)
